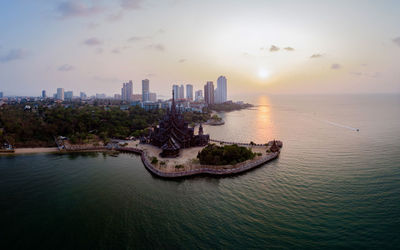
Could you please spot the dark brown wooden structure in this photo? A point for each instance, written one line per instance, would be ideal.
(173, 134)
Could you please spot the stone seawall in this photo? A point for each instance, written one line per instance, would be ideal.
(204, 169)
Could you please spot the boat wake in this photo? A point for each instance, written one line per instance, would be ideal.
(340, 125)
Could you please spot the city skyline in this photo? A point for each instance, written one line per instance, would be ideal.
(277, 47)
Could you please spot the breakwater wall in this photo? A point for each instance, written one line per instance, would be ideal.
(204, 169)
(237, 143)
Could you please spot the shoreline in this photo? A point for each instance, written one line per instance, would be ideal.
(21, 151)
(156, 169)
(48, 150)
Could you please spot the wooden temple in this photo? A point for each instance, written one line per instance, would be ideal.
(173, 134)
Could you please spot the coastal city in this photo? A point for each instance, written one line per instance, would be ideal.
(170, 124)
(186, 98)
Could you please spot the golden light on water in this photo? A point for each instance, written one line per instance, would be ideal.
(264, 125)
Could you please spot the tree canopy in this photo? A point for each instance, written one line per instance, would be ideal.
(224, 155)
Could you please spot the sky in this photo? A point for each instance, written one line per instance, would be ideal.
(262, 47)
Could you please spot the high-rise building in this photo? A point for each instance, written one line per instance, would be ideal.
(101, 96)
(152, 97)
(198, 95)
(175, 89)
(44, 94)
(221, 90)
(136, 97)
(209, 92)
(82, 95)
(68, 95)
(126, 91)
(117, 97)
(189, 92)
(181, 92)
(145, 90)
(60, 94)
(1, 95)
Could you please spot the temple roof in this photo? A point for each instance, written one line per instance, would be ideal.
(170, 144)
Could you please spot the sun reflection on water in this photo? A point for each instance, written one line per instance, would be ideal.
(264, 126)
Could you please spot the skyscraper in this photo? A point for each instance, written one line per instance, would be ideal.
(152, 97)
(181, 92)
(209, 92)
(68, 95)
(189, 92)
(145, 90)
(83, 95)
(126, 91)
(60, 94)
(44, 94)
(175, 88)
(198, 95)
(221, 90)
(1, 94)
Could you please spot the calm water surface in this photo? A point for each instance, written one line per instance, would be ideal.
(332, 187)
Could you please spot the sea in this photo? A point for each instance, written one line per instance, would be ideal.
(335, 185)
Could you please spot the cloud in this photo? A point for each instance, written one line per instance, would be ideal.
(138, 38)
(12, 55)
(66, 67)
(77, 8)
(131, 4)
(92, 42)
(356, 73)
(397, 41)
(336, 66)
(157, 46)
(289, 49)
(371, 75)
(106, 79)
(115, 17)
(316, 56)
(182, 60)
(92, 25)
(99, 50)
(274, 48)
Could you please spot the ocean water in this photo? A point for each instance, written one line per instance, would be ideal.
(332, 187)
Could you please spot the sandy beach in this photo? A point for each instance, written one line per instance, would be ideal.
(35, 150)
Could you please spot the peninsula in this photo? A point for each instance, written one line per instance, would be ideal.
(183, 153)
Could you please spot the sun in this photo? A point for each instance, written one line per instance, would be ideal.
(263, 73)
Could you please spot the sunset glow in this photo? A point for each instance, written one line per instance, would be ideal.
(95, 46)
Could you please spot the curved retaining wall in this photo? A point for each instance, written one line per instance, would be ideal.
(204, 170)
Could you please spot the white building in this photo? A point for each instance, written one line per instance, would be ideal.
(152, 97)
(60, 94)
(82, 95)
(198, 95)
(68, 95)
(189, 92)
(145, 90)
(126, 91)
(220, 95)
(209, 92)
(181, 92)
(175, 88)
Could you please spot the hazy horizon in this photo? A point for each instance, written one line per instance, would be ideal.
(263, 47)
